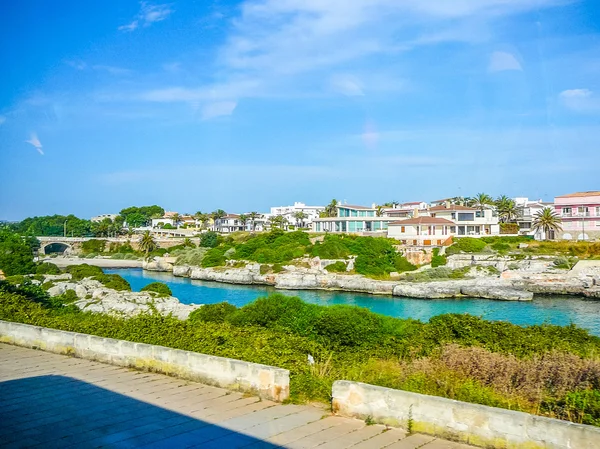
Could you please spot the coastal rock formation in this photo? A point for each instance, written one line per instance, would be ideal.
(94, 297)
(159, 264)
(477, 288)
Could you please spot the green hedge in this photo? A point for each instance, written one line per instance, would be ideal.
(337, 267)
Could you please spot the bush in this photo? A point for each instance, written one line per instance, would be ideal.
(565, 263)
(191, 256)
(402, 264)
(158, 287)
(342, 325)
(337, 267)
(91, 256)
(437, 274)
(332, 247)
(93, 246)
(214, 257)
(467, 245)
(264, 269)
(16, 254)
(47, 268)
(113, 281)
(212, 313)
(209, 239)
(78, 272)
(277, 268)
(117, 256)
(509, 228)
(500, 246)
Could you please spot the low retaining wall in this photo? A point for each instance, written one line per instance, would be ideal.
(266, 381)
(461, 421)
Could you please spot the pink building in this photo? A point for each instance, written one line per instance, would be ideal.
(580, 214)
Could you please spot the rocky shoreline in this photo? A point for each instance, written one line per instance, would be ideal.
(510, 285)
(92, 296)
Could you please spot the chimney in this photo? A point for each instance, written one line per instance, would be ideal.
(447, 204)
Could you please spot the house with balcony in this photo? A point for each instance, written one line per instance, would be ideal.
(528, 209)
(422, 231)
(353, 219)
(288, 213)
(469, 221)
(229, 223)
(580, 215)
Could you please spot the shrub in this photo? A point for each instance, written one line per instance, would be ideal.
(438, 261)
(47, 268)
(437, 274)
(337, 267)
(212, 313)
(113, 281)
(91, 256)
(500, 246)
(17, 279)
(342, 325)
(192, 256)
(78, 272)
(209, 239)
(93, 246)
(509, 228)
(565, 263)
(467, 245)
(16, 254)
(118, 256)
(402, 264)
(277, 268)
(229, 253)
(264, 269)
(332, 247)
(214, 258)
(158, 287)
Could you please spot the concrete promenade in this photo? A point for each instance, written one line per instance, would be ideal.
(53, 401)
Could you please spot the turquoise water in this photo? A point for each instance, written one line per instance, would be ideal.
(560, 310)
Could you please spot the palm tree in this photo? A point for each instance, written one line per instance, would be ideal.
(176, 218)
(147, 244)
(200, 217)
(244, 219)
(217, 215)
(379, 210)
(187, 242)
(481, 201)
(252, 216)
(547, 221)
(300, 216)
(507, 209)
(331, 208)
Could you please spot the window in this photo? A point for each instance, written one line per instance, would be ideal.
(479, 214)
(584, 211)
(598, 212)
(466, 216)
(453, 215)
(566, 211)
(403, 229)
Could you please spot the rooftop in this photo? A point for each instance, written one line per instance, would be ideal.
(580, 194)
(451, 207)
(350, 206)
(422, 221)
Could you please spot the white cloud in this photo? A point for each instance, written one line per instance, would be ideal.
(501, 61)
(580, 100)
(33, 140)
(76, 64)
(172, 67)
(347, 85)
(218, 109)
(117, 71)
(148, 15)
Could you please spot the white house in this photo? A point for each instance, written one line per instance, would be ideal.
(527, 212)
(229, 223)
(288, 212)
(102, 217)
(469, 220)
(354, 219)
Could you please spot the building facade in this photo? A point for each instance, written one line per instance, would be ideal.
(422, 231)
(288, 212)
(469, 221)
(354, 219)
(229, 223)
(528, 209)
(102, 217)
(580, 215)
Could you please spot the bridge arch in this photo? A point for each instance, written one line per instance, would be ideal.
(57, 248)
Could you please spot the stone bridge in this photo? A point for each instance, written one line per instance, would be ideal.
(72, 245)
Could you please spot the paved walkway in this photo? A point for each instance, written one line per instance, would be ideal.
(53, 401)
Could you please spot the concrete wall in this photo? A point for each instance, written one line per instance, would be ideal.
(470, 423)
(266, 381)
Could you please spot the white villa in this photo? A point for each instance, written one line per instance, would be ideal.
(288, 212)
(354, 219)
(528, 210)
(229, 223)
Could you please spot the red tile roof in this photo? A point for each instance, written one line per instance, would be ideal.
(422, 221)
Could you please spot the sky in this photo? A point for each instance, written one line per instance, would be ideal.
(244, 105)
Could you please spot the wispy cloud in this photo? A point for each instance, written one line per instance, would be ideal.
(117, 71)
(218, 109)
(580, 100)
(33, 140)
(501, 61)
(2, 119)
(148, 15)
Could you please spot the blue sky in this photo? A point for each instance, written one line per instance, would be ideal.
(243, 105)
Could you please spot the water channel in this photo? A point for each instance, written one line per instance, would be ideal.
(561, 310)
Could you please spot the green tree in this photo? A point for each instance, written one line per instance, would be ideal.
(16, 256)
(380, 210)
(217, 215)
(547, 221)
(300, 216)
(331, 208)
(507, 209)
(244, 219)
(481, 201)
(147, 244)
(202, 218)
(253, 216)
(176, 220)
(140, 216)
